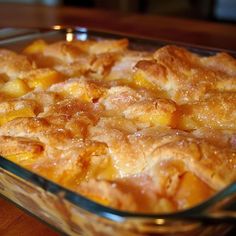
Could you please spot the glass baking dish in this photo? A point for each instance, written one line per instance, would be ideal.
(74, 214)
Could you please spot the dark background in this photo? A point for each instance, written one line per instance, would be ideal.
(210, 10)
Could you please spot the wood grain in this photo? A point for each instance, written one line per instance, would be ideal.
(15, 222)
(169, 28)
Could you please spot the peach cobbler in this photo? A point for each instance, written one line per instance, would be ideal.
(134, 130)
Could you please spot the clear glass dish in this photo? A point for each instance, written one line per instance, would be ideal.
(74, 214)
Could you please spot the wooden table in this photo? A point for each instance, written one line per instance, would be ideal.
(14, 222)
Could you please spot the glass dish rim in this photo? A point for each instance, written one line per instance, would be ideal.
(197, 213)
(192, 214)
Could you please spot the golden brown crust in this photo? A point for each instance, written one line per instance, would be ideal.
(43, 99)
(83, 89)
(14, 105)
(79, 58)
(13, 146)
(141, 150)
(220, 138)
(205, 160)
(13, 65)
(131, 130)
(222, 62)
(178, 71)
(218, 108)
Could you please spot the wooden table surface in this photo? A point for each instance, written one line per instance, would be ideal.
(14, 222)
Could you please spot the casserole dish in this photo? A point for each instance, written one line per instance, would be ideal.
(75, 214)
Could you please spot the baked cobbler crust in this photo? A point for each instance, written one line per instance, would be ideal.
(134, 130)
